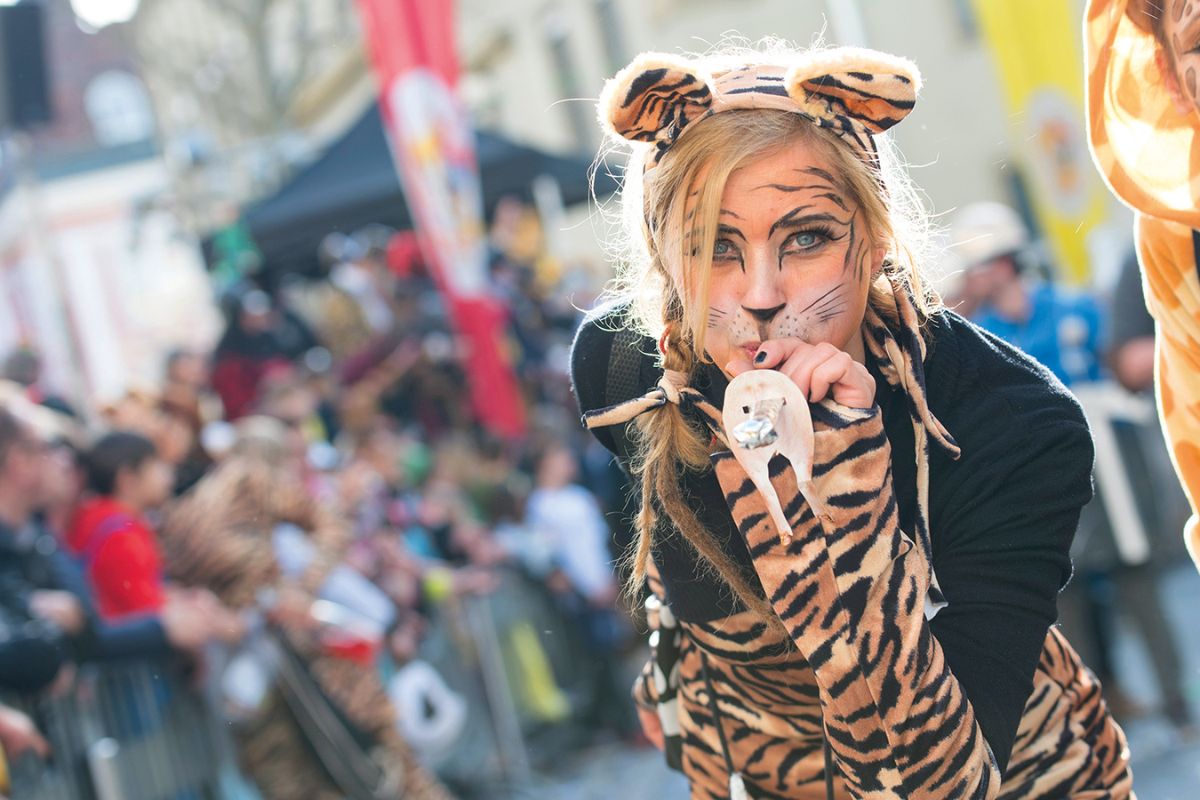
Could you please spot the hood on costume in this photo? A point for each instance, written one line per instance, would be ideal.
(1145, 149)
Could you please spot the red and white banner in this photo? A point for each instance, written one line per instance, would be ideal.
(412, 47)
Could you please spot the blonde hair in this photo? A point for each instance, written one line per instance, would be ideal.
(663, 274)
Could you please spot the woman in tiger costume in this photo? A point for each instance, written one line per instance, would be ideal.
(901, 645)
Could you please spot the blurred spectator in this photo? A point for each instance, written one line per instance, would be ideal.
(48, 565)
(222, 535)
(35, 626)
(1059, 328)
(569, 519)
(24, 366)
(51, 583)
(1131, 345)
(288, 398)
(119, 551)
(109, 531)
(259, 338)
(185, 385)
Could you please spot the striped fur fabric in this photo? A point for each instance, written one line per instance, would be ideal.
(854, 92)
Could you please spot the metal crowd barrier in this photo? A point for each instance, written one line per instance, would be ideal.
(130, 731)
(139, 731)
(473, 644)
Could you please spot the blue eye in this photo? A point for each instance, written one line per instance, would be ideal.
(723, 249)
(807, 240)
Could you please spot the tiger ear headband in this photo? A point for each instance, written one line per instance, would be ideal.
(854, 92)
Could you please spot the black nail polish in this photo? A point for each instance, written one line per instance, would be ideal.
(761, 357)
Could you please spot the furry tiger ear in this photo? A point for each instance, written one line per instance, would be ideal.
(874, 89)
(654, 99)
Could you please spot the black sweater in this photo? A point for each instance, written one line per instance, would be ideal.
(1001, 517)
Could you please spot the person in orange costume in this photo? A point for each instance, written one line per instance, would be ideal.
(1144, 130)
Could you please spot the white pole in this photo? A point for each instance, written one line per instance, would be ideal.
(846, 22)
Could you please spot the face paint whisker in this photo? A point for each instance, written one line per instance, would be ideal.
(822, 297)
(825, 308)
(828, 315)
(831, 300)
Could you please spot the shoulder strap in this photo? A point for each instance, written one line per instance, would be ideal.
(624, 368)
(102, 533)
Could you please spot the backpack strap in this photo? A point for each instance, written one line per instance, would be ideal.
(103, 532)
(624, 371)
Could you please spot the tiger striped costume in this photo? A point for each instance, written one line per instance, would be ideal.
(859, 666)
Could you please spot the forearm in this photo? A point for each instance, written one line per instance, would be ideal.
(143, 638)
(30, 662)
(851, 593)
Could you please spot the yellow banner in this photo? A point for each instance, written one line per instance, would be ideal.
(1036, 47)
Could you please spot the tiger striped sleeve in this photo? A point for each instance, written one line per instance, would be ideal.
(204, 546)
(851, 592)
(328, 530)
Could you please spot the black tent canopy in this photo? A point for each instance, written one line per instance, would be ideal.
(354, 184)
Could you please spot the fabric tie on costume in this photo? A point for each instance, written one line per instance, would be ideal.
(672, 388)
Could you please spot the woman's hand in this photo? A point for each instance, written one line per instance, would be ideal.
(820, 370)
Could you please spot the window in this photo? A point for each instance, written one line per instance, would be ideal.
(118, 108)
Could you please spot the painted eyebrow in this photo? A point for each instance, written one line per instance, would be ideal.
(790, 220)
(829, 193)
(730, 213)
(820, 173)
(729, 229)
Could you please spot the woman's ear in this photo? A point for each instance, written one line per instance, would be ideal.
(1183, 105)
(878, 256)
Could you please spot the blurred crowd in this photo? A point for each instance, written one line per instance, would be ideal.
(316, 486)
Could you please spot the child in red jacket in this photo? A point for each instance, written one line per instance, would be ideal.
(109, 532)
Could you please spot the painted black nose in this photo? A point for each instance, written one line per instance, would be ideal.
(764, 314)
